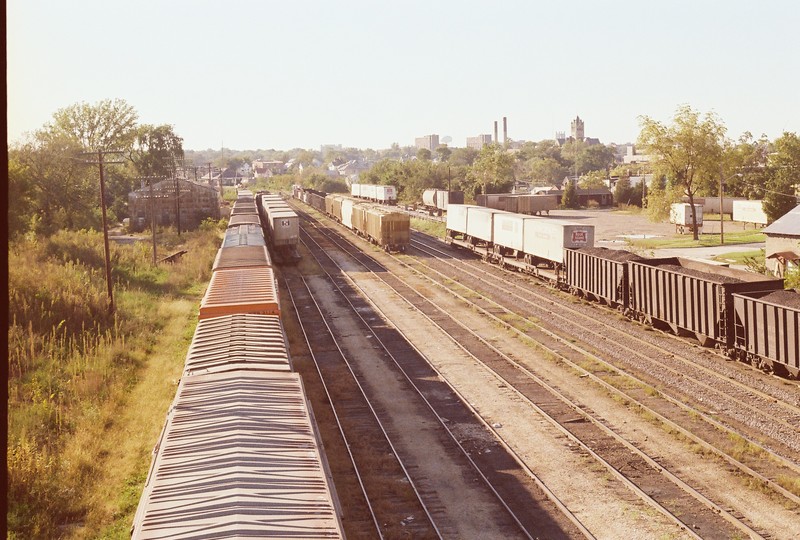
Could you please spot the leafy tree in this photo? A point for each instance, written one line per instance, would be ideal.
(593, 180)
(544, 171)
(424, 154)
(569, 199)
(625, 193)
(107, 125)
(463, 156)
(493, 171)
(444, 152)
(686, 151)
(784, 177)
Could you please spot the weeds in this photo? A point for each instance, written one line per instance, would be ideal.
(71, 363)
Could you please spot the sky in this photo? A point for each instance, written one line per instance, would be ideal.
(262, 74)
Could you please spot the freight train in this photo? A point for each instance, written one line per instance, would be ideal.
(281, 226)
(239, 454)
(385, 227)
(747, 316)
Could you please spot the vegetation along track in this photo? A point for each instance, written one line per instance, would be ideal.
(688, 394)
(657, 485)
(520, 508)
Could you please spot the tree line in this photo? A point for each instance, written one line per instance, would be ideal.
(53, 187)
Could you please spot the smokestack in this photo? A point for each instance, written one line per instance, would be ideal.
(495, 132)
(505, 131)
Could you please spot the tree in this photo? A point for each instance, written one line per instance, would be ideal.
(493, 170)
(593, 180)
(444, 152)
(783, 177)
(625, 193)
(424, 154)
(107, 125)
(569, 199)
(464, 156)
(686, 151)
(544, 171)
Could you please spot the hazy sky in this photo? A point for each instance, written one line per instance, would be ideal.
(251, 74)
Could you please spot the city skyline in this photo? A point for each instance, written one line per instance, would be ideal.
(258, 75)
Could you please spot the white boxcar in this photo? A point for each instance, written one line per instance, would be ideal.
(457, 218)
(347, 212)
(480, 222)
(509, 230)
(385, 194)
(355, 190)
(749, 212)
(546, 238)
(681, 214)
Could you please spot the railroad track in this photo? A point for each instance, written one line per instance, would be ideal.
(389, 493)
(497, 470)
(734, 522)
(608, 341)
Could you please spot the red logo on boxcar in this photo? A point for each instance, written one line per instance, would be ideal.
(579, 237)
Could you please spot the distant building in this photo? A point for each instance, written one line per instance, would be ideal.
(631, 157)
(266, 169)
(196, 202)
(325, 148)
(783, 243)
(429, 142)
(577, 129)
(479, 142)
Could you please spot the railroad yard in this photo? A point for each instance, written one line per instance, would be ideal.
(455, 399)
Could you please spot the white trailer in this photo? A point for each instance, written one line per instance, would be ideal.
(480, 223)
(457, 219)
(749, 212)
(347, 212)
(681, 215)
(385, 194)
(546, 238)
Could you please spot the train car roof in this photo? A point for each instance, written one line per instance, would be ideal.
(238, 458)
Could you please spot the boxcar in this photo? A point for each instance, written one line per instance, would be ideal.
(600, 274)
(317, 200)
(333, 206)
(437, 200)
(691, 296)
(241, 257)
(241, 290)
(244, 235)
(347, 212)
(241, 341)
(767, 330)
(238, 457)
(387, 228)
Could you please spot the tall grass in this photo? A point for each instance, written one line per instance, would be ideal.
(71, 361)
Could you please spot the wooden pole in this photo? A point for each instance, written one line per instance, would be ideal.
(105, 234)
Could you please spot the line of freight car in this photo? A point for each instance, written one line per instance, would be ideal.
(687, 297)
(387, 228)
(375, 193)
(747, 316)
(531, 244)
(239, 454)
(281, 225)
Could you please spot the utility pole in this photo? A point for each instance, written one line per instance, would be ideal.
(100, 162)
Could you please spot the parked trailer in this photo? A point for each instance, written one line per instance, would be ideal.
(767, 330)
(380, 193)
(437, 200)
(250, 468)
(681, 215)
(600, 274)
(750, 212)
(691, 296)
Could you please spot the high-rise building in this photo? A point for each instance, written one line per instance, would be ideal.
(431, 142)
(479, 142)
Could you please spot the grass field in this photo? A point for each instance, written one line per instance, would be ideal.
(89, 390)
(704, 240)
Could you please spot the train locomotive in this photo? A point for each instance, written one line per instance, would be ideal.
(747, 316)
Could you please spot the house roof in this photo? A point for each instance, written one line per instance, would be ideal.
(788, 225)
